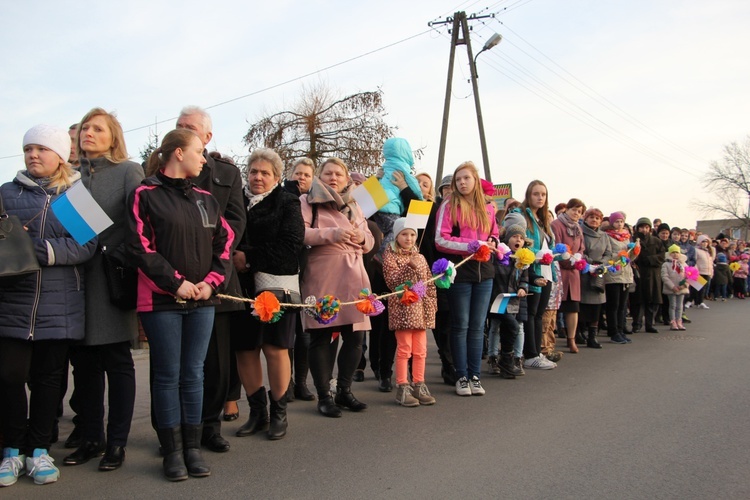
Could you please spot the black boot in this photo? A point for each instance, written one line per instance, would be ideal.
(345, 398)
(591, 339)
(258, 420)
(301, 391)
(289, 396)
(580, 338)
(508, 369)
(327, 407)
(191, 440)
(301, 368)
(277, 429)
(173, 462)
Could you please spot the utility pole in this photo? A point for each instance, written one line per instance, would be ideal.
(460, 21)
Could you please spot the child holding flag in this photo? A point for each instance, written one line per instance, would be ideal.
(509, 287)
(408, 313)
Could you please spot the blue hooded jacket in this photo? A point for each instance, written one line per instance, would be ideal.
(398, 158)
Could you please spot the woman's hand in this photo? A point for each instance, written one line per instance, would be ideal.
(187, 291)
(205, 291)
(239, 259)
(521, 293)
(358, 236)
(540, 282)
(342, 235)
(398, 180)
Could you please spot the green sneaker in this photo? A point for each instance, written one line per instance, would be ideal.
(11, 467)
(41, 468)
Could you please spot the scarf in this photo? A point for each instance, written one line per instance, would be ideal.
(254, 199)
(323, 194)
(676, 266)
(42, 182)
(572, 228)
(622, 236)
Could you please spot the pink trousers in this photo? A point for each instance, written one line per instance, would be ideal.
(410, 343)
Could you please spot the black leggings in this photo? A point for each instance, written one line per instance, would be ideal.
(322, 358)
(533, 329)
(41, 363)
(617, 303)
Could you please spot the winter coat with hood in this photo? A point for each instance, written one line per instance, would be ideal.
(598, 251)
(673, 275)
(110, 184)
(453, 239)
(48, 304)
(398, 158)
(704, 261)
(396, 270)
(334, 268)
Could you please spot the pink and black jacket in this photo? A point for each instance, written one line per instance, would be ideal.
(177, 233)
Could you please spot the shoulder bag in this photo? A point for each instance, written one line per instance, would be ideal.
(17, 256)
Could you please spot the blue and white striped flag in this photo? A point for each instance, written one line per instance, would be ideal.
(81, 216)
(500, 304)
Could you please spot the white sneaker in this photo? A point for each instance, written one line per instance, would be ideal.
(539, 363)
(11, 467)
(41, 468)
(462, 387)
(688, 305)
(476, 386)
(703, 305)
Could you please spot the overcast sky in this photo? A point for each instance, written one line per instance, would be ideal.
(621, 104)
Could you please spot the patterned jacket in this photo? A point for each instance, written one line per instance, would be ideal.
(421, 314)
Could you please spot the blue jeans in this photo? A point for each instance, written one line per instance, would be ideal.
(178, 342)
(469, 303)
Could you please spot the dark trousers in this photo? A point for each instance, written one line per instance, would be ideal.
(442, 330)
(617, 302)
(382, 345)
(216, 373)
(74, 400)
(533, 329)
(90, 364)
(640, 310)
(301, 346)
(321, 357)
(234, 393)
(41, 364)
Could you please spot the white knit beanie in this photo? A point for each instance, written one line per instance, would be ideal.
(51, 137)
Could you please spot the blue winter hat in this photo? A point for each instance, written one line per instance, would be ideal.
(721, 258)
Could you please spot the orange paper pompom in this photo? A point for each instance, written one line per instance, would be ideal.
(365, 307)
(482, 254)
(637, 250)
(266, 306)
(409, 297)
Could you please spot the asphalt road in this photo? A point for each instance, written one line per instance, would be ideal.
(664, 417)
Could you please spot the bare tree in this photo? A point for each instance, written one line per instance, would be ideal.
(320, 126)
(728, 183)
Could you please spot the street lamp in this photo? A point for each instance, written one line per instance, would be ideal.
(492, 42)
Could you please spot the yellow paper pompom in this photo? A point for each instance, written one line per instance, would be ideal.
(734, 266)
(524, 256)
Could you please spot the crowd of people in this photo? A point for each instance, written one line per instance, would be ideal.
(195, 238)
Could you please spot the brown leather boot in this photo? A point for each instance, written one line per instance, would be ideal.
(572, 345)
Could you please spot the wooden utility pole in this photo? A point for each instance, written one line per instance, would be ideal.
(460, 22)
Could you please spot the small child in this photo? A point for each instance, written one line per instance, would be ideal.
(740, 276)
(402, 262)
(674, 285)
(722, 277)
(505, 327)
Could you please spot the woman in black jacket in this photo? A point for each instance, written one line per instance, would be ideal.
(182, 246)
(267, 256)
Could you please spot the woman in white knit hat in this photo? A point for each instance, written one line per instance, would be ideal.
(43, 311)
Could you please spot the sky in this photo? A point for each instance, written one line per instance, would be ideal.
(620, 104)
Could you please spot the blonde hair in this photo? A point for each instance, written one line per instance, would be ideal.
(473, 211)
(61, 179)
(431, 195)
(117, 153)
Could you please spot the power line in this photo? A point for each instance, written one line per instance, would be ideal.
(286, 82)
(599, 98)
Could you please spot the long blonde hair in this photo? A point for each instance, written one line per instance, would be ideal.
(473, 205)
(62, 178)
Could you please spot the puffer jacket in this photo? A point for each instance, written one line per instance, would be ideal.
(48, 304)
(704, 261)
(396, 271)
(673, 275)
(398, 158)
(453, 239)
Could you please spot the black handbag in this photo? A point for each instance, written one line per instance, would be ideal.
(122, 281)
(17, 256)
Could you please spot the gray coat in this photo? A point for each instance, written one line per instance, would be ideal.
(110, 184)
(598, 251)
(625, 275)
